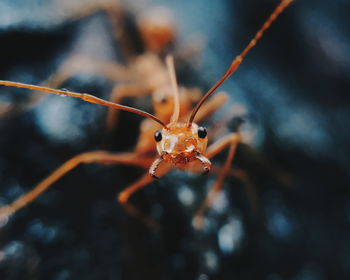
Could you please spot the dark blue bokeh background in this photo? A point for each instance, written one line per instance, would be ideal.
(295, 87)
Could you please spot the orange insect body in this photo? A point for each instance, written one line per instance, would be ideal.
(180, 143)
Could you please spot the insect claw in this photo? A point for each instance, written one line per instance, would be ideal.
(154, 167)
(205, 163)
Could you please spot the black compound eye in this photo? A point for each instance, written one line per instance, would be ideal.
(202, 132)
(158, 136)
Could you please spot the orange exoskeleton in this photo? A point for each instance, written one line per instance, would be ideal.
(180, 143)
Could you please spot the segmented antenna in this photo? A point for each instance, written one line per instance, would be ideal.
(237, 61)
(84, 96)
(171, 68)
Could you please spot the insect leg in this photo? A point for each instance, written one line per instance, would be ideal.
(124, 196)
(79, 64)
(90, 157)
(232, 140)
(90, 7)
(129, 208)
(118, 94)
(70, 67)
(213, 104)
(244, 178)
(119, 20)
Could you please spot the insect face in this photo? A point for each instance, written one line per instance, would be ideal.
(179, 143)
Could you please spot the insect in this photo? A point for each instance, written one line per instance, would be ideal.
(144, 71)
(180, 143)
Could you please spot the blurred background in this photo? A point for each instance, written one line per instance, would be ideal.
(292, 222)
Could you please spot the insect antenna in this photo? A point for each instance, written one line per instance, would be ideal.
(171, 69)
(237, 61)
(85, 97)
